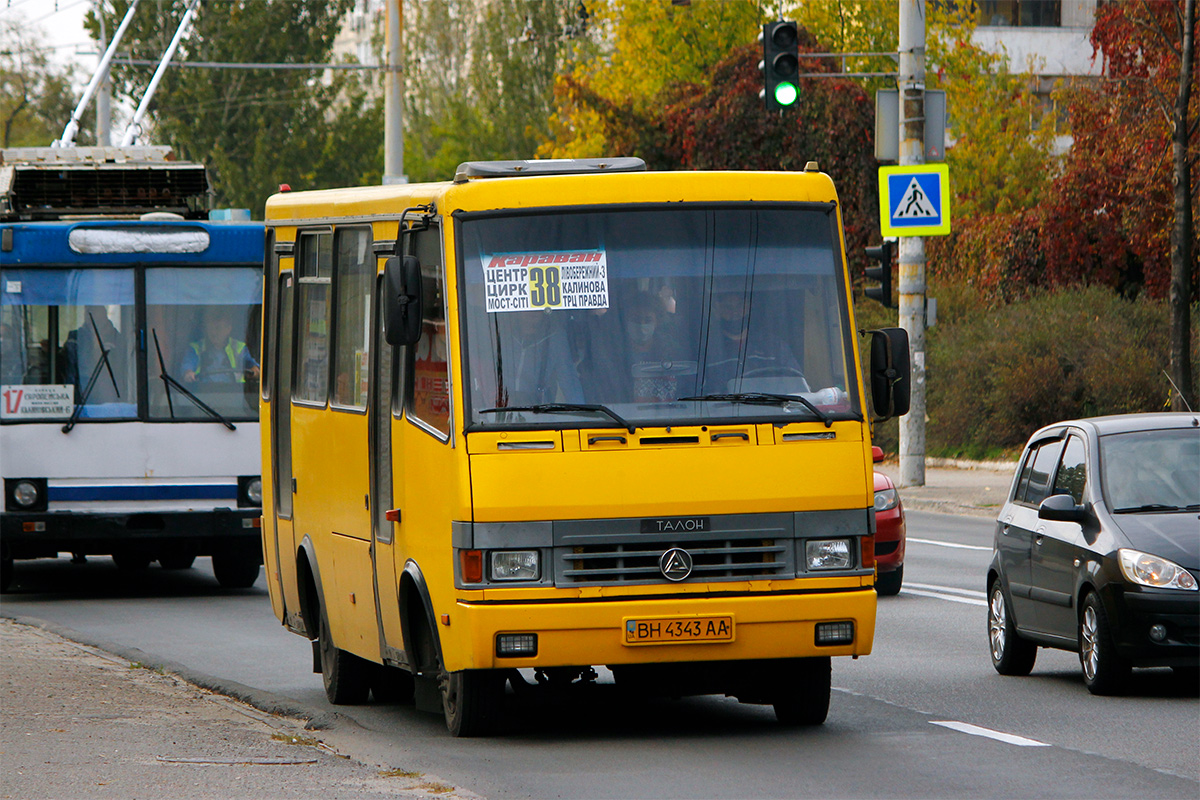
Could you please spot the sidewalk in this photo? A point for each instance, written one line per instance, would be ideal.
(77, 721)
(976, 489)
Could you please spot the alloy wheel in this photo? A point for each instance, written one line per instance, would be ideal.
(997, 619)
(1088, 643)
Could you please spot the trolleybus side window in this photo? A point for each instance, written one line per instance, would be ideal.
(355, 271)
(430, 400)
(68, 340)
(314, 265)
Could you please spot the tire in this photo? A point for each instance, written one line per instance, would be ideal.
(347, 677)
(802, 694)
(1104, 670)
(1011, 655)
(235, 570)
(6, 570)
(131, 561)
(888, 583)
(391, 685)
(177, 562)
(471, 701)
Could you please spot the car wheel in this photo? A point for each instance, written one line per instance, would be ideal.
(177, 562)
(888, 583)
(345, 675)
(1011, 655)
(1104, 671)
(802, 695)
(471, 701)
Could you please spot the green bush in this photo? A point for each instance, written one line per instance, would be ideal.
(997, 374)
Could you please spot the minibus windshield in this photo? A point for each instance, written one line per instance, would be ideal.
(659, 315)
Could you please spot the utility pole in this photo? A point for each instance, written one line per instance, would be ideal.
(393, 97)
(911, 83)
(104, 97)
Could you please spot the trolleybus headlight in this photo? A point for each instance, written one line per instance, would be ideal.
(828, 554)
(250, 491)
(254, 491)
(26, 494)
(515, 565)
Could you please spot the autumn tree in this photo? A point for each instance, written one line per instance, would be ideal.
(36, 99)
(255, 128)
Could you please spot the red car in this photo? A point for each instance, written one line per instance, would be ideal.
(889, 533)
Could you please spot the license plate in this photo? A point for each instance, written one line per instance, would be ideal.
(670, 630)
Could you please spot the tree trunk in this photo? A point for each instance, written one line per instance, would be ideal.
(1184, 395)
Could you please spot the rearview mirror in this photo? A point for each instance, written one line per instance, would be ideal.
(891, 378)
(402, 301)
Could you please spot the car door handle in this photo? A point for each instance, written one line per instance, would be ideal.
(1038, 540)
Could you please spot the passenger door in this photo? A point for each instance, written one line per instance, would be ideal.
(1058, 549)
(1019, 524)
(281, 450)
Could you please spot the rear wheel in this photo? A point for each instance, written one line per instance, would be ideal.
(801, 695)
(235, 570)
(1104, 671)
(888, 583)
(346, 677)
(1011, 655)
(471, 701)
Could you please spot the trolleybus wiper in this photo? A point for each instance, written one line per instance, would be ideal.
(169, 381)
(87, 392)
(565, 408)
(764, 398)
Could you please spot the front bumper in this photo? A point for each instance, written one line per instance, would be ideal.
(39, 535)
(1136, 612)
(590, 632)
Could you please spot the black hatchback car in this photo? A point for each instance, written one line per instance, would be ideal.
(1097, 549)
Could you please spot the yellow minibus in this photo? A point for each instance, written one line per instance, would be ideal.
(558, 416)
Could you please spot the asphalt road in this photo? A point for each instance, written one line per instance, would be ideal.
(923, 716)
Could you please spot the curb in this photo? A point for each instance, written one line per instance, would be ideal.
(268, 702)
(962, 463)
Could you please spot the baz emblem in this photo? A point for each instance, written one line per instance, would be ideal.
(675, 564)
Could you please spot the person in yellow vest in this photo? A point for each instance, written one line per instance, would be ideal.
(218, 357)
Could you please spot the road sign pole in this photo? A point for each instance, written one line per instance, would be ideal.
(911, 82)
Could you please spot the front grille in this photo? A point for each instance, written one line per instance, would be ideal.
(631, 562)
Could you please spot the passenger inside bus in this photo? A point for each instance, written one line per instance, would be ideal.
(655, 360)
(218, 357)
(83, 354)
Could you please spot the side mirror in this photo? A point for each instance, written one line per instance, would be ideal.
(891, 379)
(876, 453)
(1062, 508)
(402, 301)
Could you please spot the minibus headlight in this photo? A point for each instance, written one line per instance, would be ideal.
(828, 554)
(25, 494)
(515, 565)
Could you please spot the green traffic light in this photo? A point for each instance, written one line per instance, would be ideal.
(786, 93)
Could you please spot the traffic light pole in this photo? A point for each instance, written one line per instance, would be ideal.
(911, 82)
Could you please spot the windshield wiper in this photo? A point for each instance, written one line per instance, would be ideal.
(564, 408)
(87, 392)
(1152, 507)
(169, 381)
(764, 399)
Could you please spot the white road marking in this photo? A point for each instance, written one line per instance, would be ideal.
(975, 730)
(947, 589)
(955, 545)
(970, 601)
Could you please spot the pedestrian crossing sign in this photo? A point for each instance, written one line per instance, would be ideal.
(914, 200)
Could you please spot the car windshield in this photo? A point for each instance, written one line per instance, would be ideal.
(1151, 470)
(659, 316)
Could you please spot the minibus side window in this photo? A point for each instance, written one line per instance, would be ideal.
(314, 266)
(430, 398)
(355, 270)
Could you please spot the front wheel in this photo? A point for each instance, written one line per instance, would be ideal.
(1011, 655)
(1104, 671)
(346, 677)
(235, 570)
(888, 583)
(471, 701)
(802, 694)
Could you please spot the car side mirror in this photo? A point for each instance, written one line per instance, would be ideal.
(876, 453)
(402, 301)
(1062, 508)
(891, 377)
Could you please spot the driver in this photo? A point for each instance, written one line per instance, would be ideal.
(218, 357)
(732, 353)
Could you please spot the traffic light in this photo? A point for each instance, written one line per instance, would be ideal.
(780, 65)
(882, 273)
